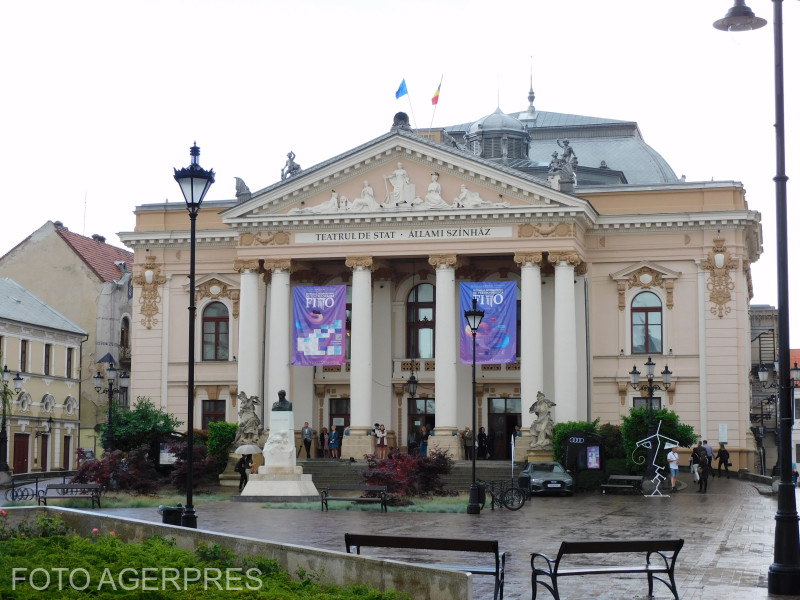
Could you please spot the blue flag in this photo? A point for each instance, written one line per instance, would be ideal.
(402, 90)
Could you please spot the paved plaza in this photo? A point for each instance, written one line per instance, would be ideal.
(728, 532)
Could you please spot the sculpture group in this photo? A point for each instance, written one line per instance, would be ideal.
(401, 194)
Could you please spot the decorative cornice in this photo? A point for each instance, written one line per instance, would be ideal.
(523, 259)
(150, 297)
(360, 262)
(215, 289)
(443, 260)
(720, 284)
(264, 238)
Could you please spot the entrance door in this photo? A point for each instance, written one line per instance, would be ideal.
(65, 455)
(20, 453)
(421, 411)
(45, 445)
(504, 416)
(339, 415)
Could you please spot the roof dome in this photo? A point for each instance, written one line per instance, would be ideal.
(497, 121)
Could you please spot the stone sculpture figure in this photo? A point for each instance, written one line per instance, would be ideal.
(366, 202)
(542, 427)
(291, 167)
(403, 191)
(249, 423)
(433, 199)
(281, 404)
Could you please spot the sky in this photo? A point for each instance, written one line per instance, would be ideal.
(101, 99)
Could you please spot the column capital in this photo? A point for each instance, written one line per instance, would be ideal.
(568, 256)
(443, 260)
(278, 264)
(240, 265)
(363, 262)
(523, 258)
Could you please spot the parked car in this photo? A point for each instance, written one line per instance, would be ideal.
(546, 478)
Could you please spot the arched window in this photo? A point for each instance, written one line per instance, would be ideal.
(646, 324)
(215, 332)
(420, 321)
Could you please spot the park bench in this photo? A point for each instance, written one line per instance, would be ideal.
(623, 483)
(666, 551)
(338, 490)
(64, 491)
(355, 541)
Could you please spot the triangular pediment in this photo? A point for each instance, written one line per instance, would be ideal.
(644, 267)
(402, 175)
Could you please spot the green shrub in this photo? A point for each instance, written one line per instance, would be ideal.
(635, 428)
(220, 437)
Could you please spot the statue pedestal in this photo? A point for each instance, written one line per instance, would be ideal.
(540, 455)
(280, 479)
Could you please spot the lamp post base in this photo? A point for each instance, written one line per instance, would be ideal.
(189, 517)
(474, 506)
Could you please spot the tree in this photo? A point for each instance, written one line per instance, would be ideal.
(144, 424)
(634, 429)
(220, 437)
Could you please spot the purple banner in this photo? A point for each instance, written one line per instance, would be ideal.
(496, 340)
(320, 314)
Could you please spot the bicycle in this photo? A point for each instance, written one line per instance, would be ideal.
(503, 494)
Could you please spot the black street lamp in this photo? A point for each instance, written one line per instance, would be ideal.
(650, 387)
(111, 375)
(194, 182)
(474, 318)
(7, 394)
(784, 573)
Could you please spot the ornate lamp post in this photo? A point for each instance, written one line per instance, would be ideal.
(474, 318)
(650, 387)
(784, 573)
(7, 395)
(194, 182)
(111, 375)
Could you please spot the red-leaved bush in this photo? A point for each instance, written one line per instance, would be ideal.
(406, 475)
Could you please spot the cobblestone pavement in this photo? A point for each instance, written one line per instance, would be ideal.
(729, 535)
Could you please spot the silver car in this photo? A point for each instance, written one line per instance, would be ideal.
(546, 478)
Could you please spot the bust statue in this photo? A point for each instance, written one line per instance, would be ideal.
(282, 404)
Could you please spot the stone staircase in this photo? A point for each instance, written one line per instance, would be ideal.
(326, 472)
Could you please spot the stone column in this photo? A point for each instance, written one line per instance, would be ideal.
(248, 355)
(358, 443)
(565, 345)
(531, 370)
(279, 375)
(447, 340)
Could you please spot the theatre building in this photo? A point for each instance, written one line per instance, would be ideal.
(612, 258)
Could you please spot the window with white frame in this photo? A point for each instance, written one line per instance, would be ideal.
(646, 324)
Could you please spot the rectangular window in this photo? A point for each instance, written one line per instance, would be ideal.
(69, 363)
(213, 411)
(642, 403)
(23, 356)
(48, 352)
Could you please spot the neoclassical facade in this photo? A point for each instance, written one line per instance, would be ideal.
(607, 276)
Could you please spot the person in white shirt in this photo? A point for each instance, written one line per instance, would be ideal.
(672, 459)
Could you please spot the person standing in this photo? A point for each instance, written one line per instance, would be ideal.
(381, 435)
(709, 454)
(243, 468)
(333, 442)
(723, 456)
(324, 441)
(672, 459)
(482, 443)
(308, 435)
(469, 443)
(423, 446)
(703, 469)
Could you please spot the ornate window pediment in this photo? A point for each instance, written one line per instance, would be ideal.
(645, 275)
(215, 287)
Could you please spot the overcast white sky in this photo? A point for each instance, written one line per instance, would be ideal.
(100, 100)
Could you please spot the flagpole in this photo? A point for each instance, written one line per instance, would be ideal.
(412, 110)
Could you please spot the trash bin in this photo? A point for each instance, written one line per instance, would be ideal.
(170, 515)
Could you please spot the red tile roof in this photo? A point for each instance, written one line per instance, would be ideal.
(98, 256)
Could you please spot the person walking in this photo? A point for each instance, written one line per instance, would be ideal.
(308, 436)
(695, 460)
(469, 443)
(243, 467)
(672, 459)
(703, 469)
(723, 456)
(709, 454)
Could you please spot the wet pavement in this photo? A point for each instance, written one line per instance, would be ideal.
(729, 535)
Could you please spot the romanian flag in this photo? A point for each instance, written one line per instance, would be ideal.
(435, 99)
(402, 90)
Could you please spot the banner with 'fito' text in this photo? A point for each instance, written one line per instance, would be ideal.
(496, 339)
(320, 317)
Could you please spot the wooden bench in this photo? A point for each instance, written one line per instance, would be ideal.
(666, 551)
(64, 491)
(620, 483)
(497, 570)
(325, 495)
